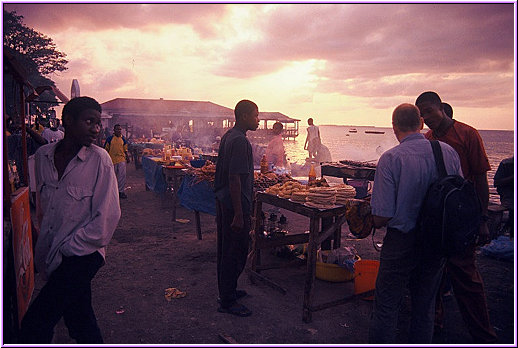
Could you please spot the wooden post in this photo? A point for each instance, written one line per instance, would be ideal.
(255, 253)
(198, 226)
(24, 139)
(309, 287)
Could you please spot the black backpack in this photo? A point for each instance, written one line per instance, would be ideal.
(449, 219)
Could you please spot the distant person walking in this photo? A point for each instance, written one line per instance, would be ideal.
(233, 188)
(53, 134)
(117, 147)
(78, 211)
(275, 151)
(313, 141)
(402, 178)
(467, 283)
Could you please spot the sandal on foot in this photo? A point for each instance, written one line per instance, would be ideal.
(239, 294)
(235, 309)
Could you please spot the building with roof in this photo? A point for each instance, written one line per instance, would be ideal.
(155, 117)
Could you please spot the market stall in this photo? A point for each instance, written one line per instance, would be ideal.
(137, 150)
(153, 173)
(336, 215)
(198, 196)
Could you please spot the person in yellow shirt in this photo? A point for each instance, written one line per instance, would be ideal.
(117, 147)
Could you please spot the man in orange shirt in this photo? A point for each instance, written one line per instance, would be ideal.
(466, 280)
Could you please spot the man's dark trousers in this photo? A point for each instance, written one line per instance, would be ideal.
(232, 253)
(67, 294)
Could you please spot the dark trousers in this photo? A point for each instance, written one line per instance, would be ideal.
(405, 263)
(468, 289)
(232, 253)
(67, 294)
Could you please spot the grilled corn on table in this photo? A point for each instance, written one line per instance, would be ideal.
(314, 238)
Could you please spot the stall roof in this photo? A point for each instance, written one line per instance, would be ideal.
(161, 107)
(179, 108)
(276, 116)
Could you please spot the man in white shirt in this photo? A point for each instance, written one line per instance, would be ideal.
(78, 211)
(312, 139)
(53, 134)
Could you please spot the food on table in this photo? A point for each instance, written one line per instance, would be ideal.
(321, 197)
(344, 192)
(322, 182)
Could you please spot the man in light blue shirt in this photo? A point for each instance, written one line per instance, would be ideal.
(402, 178)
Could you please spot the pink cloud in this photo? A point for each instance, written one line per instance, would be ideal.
(92, 17)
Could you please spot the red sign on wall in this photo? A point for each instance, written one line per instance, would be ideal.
(22, 248)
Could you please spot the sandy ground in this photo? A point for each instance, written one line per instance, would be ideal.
(150, 253)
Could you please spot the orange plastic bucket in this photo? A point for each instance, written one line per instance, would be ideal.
(365, 273)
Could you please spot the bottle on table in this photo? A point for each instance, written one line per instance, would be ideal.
(312, 175)
(264, 165)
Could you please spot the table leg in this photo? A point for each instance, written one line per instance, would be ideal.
(338, 235)
(175, 187)
(326, 223)
(173, 198)
(309, 286)
(198, 226)
(254, 257)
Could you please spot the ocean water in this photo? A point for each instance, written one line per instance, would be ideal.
(361, 146)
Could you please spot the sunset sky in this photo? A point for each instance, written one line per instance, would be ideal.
(349, 64)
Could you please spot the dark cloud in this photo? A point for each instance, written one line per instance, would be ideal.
(468, 90)
(387, 52)
(93, 17)
(363, 45)
(369, 39)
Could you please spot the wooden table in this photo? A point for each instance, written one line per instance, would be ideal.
(341, 170)
(314, 238)
(173, 177)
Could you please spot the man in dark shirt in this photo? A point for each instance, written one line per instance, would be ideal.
(468, 286)
(233, 187)
(504, 183)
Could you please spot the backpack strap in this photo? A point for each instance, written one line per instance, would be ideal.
(439, 160)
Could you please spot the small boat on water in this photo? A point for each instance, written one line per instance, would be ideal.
(353, 130)
(374, 132)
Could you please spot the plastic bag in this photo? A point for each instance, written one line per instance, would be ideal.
(500, 248)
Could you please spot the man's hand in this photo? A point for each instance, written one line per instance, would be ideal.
(237, 222)
(483, 235)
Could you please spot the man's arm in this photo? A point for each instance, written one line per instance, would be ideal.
(234, 185)
(380, 221)
(126, 152)
(482, 188)
(504, 181)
